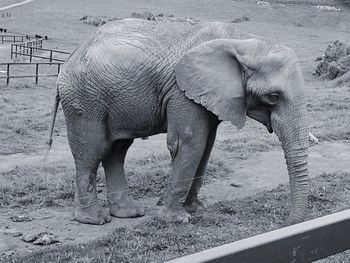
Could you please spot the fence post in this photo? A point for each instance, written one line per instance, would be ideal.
(50, 56)
(58, 68)
(11, 50)
(8, 74)
(14, 39)
(31, 54)
(16, 51)
(36, 73)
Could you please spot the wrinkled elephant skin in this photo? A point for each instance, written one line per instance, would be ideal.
(134, 79)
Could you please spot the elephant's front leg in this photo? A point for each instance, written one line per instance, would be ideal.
(192, 202)
(121, 203)
(183, 169)
(188, 130)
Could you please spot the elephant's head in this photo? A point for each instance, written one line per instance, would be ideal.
(235, 78)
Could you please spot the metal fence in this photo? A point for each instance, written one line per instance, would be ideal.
(305, 242)
(9, 66)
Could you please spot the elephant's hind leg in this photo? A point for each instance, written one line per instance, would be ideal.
(88, 145)
(121, 204)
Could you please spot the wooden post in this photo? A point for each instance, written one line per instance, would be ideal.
(31, 54)
(50, 56)
(11, 51)
(16, 52)
(14, 39)
(8, 74)
(36, 73)
(58, 68)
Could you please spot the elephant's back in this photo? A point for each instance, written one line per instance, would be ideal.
(131, 56)
(133, 43)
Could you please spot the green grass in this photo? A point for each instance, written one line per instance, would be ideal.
(220, 223)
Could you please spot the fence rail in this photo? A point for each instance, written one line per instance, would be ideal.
(15, 38)
(36, 76)
(29, 48)
(305, 242)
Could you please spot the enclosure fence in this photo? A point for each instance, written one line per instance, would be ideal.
(305, 242)
(16, 38)
(9, 66)
(30, 48)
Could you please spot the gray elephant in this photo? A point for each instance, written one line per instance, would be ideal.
(136, 78)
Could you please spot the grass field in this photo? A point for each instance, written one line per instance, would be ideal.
(25, 115)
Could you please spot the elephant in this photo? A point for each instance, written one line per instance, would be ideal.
(135, 78)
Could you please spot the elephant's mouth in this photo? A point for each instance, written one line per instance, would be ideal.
(269, 126)
(262, 116)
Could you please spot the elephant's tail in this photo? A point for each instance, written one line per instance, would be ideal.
(54, 113)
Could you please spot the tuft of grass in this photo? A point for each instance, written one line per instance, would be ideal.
(36, 186)
(220, 223)
(147, 177)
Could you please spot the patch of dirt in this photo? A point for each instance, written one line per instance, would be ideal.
(58, 222)
(269, 170)
(327, 157)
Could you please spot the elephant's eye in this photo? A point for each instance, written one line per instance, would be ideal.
(273, 98)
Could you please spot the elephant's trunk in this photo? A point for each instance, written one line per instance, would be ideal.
(294, 137)
(296, 159)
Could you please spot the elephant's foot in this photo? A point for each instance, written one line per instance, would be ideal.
(126, 208)
(174, 215)
(94, 214)
(194, 205)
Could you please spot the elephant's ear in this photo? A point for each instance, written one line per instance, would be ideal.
(212, 75)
